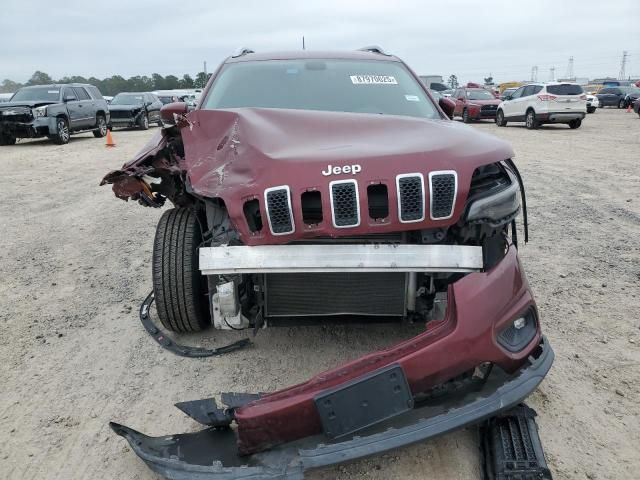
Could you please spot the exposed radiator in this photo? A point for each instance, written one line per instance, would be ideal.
(317, 294)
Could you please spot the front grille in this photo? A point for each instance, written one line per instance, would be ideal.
(410, 197)
(488, 108)
(121, 114)
(443, 189)
(16, 114)
(279, 212)
(323, 294)
(345, 204)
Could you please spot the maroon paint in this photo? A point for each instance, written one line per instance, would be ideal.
(236, 154)
(472, 106)
(480, 305)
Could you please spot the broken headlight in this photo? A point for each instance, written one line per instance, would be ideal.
(39, 112)
(497, 204)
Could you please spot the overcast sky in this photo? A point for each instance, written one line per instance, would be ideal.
(468, 38)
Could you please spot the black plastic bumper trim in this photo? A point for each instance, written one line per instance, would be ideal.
(210, 454)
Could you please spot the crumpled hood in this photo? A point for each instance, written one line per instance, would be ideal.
(251, 149)
(31, 104)
(235, 155)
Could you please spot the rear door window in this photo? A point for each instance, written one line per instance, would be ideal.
(81, 93)
(565, 89)
(528, 90)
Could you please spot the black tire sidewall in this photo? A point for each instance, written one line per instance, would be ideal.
(98, 133)
(180, 290)
(58, 138)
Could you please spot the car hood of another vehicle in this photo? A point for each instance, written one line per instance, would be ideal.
(31, 104)
(491, 101)
(124, 108)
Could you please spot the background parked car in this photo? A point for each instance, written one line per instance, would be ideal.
(474, 104)
(5, 97)
(620, 97)
(135, 110)
(539, 103)
(507, 92)
(55, 111)
(592, 103)
(636, 107)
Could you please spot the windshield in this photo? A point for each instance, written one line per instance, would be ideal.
(37, 94)
(127, 99)
(480, 95)
(329, 85)
(630, 89)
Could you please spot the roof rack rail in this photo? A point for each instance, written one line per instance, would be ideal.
(374, 49)
(242, 51)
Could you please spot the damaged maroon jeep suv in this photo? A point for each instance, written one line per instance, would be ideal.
(322, 186)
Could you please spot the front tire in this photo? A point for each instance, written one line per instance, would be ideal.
(465, 116)
(500, 121)
(101, 123)
(531, 121)
(143, 123)
(575, 123)
(621, 104)
(591, 109)
(62, 135)
(180, 290)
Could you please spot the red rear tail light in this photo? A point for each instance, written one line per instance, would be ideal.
(546, 98)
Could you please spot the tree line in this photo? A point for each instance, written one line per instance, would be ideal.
(116, 83)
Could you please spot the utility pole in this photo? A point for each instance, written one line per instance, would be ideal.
(534, 73)
(205, 68)
(623, 65)
(552, 74)
(570, 69)
(303, 47)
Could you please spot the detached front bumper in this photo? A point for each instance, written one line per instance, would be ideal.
(282, 434)
(37, 127)
(210, 453)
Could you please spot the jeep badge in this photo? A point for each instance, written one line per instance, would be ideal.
(338, 170)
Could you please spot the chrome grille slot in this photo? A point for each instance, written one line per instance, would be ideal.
(345, 204)
(278, 202)
(410, 197)
(442, 193)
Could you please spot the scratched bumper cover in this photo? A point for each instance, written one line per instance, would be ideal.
(212, 453)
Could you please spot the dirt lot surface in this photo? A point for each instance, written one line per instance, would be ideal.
(74, 266)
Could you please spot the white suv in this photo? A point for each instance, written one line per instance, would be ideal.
(539, 103)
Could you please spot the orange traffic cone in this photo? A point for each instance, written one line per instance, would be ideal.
(110, 142)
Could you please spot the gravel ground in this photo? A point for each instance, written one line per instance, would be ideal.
(75, 265)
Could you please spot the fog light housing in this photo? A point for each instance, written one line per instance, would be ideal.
(520, 331)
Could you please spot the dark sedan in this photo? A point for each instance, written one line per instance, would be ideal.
(135, 110)
(620, 97)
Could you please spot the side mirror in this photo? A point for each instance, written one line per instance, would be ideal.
(70, 98)
(168, 111)
(508, 97)
(448, 106)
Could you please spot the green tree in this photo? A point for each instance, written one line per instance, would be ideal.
(39, 78)
(186, 81)
(159, 82)
(201, 80)
(9, 86)
(171, 82)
